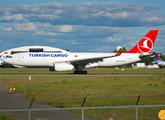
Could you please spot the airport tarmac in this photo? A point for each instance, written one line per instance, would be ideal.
(11, 100)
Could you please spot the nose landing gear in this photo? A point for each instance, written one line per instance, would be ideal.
(20, 72)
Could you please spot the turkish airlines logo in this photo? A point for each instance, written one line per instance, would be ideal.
(145, 45)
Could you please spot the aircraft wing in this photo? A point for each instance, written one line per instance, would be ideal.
(86, 61)
(145, 56)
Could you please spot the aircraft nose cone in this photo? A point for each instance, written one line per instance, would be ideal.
(1, 61)
(3, 58)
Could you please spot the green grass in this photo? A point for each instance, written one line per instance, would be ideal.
(7, 117)
(90, 71)
(70, 91)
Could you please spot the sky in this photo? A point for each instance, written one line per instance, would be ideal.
(81, 26)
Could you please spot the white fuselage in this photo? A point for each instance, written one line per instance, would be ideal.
(42, 59)
(162, 63)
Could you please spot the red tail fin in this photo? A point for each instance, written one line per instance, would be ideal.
(146, 44)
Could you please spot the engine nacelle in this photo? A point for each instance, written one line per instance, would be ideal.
(62, 67)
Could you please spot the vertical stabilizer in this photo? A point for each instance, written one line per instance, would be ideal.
(146, 44)
(157, 58)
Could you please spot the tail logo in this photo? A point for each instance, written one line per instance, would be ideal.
(145, 45)
(156, 58)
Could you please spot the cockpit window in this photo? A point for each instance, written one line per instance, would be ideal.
(8, 56)
(14, 52)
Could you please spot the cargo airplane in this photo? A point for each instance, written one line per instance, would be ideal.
(60, 60)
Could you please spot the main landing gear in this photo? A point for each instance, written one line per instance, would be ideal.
(80, 72)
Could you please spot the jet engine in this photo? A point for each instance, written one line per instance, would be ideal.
(62, 67)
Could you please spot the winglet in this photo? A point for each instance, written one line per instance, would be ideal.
(118, 54)
(146, 44)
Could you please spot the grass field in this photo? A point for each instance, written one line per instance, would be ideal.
(90, 71)
(7, 117)
(100, 91)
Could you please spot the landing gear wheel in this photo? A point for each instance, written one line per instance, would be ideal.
(20, 72)
(76, 72)
(84, 72)
(80, 72)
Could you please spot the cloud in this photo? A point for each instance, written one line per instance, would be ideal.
(88, 14)
(80, 31)
(104, 48)
(0, 40)
(65, 28)
(53, 40)
(132, 44)
(98, 31)
(73, 42)
(46, 33)
(112, 39)
(14, 18)
(18, 17)
(25, 27)
(81, 26)
(121, 15)
(159, 47)
(7, 29)
(7, 18)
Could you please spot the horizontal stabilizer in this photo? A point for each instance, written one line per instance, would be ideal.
(145, 56)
